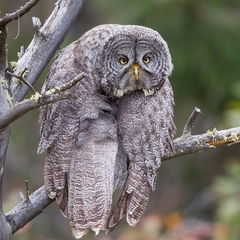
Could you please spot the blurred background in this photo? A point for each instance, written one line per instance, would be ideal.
(197, 196)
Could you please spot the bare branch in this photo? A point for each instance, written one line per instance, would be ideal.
(19, 13)
(36, 25)
(21, 51)
(44, 44)
(37, 100)
(187, 144)
(22, 79)
(190, 123)
(27, 191)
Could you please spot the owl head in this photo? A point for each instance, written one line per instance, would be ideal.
(136, 58)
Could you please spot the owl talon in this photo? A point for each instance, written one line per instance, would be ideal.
(78, 234)
(131, 221)
(52, 195)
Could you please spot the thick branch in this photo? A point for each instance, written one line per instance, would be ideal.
(4, 137)
(37, 100)
(44, 44)
(19, 13)
(5, 231)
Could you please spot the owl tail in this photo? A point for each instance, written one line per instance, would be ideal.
(133, 200)
(91, 177)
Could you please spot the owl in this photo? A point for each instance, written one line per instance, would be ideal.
(113, 130)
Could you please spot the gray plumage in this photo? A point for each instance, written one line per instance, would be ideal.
(119, 116)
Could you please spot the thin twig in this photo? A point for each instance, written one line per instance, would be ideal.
(19, 13)
(21, 52)
(190, 122)
(27, 191)
(37, 100)
(19, 26)
(22, 79)
(36, 25)
(65, 86)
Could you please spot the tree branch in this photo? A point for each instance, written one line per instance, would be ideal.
(37, 100)
(22, 79)
(19, 13)
(45, 44)
(27, 210)
(188, 144)
(190, 122)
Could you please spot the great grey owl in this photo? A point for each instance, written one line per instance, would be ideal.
(117, 124)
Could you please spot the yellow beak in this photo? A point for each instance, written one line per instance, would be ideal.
(135, 71)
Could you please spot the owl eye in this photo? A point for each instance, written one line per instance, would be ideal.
(146, 59)
(123, 60)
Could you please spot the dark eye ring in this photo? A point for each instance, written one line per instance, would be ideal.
(146, 59)
(123, 60)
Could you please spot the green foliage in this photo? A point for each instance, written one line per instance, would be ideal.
(227, 190)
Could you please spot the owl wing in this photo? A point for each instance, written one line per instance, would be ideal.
(146, 129)
(80, 137)
(57, 128)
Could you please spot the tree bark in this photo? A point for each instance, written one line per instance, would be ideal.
(5, 230)
(44, 44)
